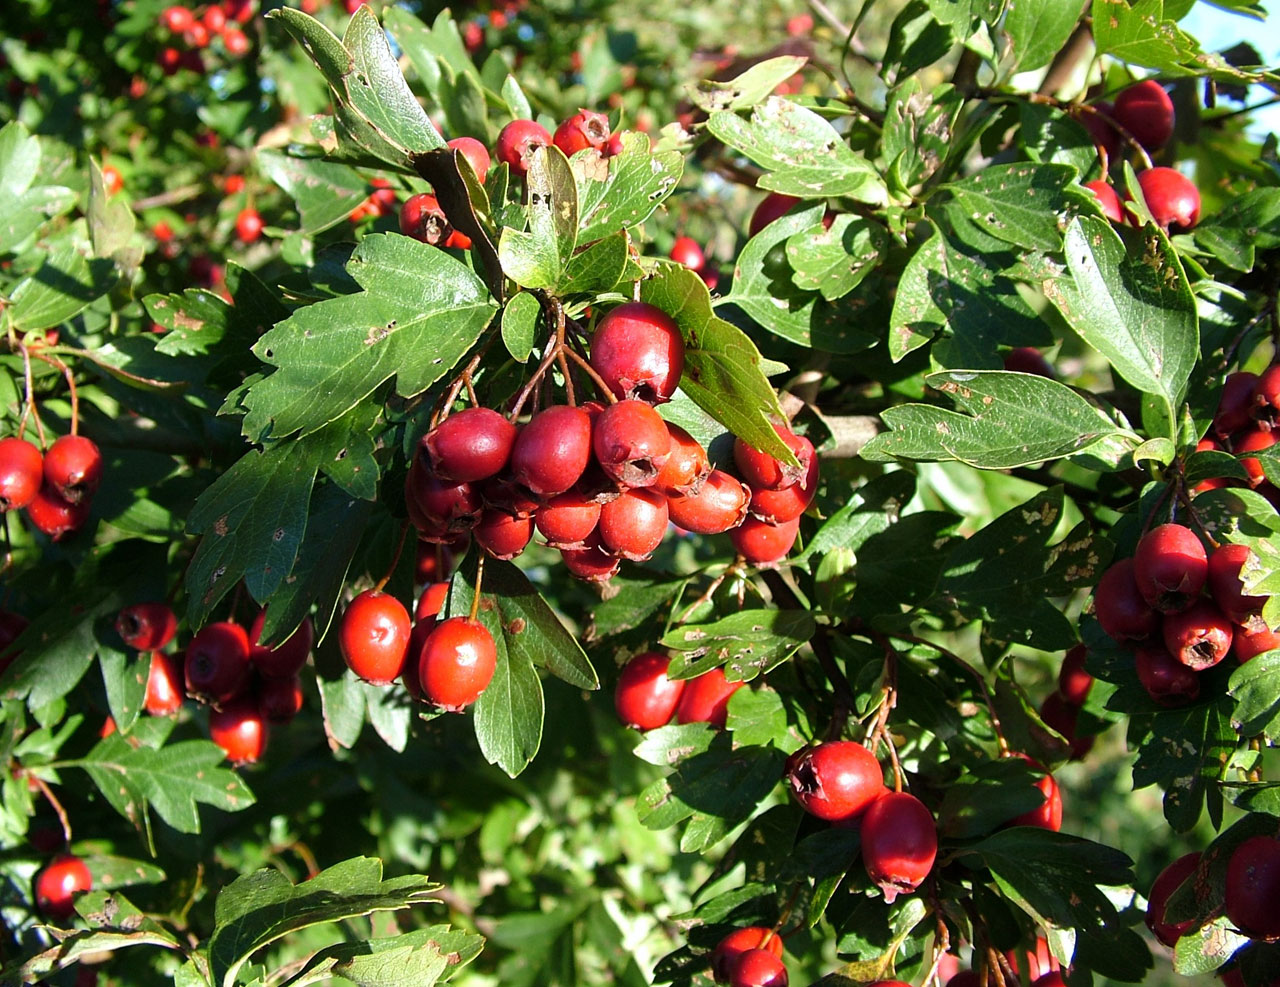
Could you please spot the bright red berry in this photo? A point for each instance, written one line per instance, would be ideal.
(1105, 193)
(516, 143)
(761, 543)
(1226, 587)
(21, 472)
(1073, 681)
(687, 251)
(503, 535)
(899, 843)
(280, 699)
(1170, 567)
(551, 452)
(237, 43)
(737, 942)
(430, 603)
(590, 562)
(1253, 887)
(373, 636)
(1047, 815)
(631, 443)
(240, 730)
(215, 19)
(1168, 881)
(286, 658)
(1167, 681)
(632, 524)
(1172, 197)
(645, 698)
(1255, 440)
(73, 467)
(55, 516)
(758, 968)
(475, 153)
(686, 467)
(59, 883)
(470, 445)
(1248, 644)
(177, 20)
(457, 663)
(147, 626)
(762, 472)
(706, 699)
(568, 519)
(788, 503)
(248, 225)
(1146, 111)
(585, 129)
(422, 218)
(836, 781)
(217, 664)
(1235, 404)
(1199, 636)
(638, 350)
(720, 505)
(165, 686)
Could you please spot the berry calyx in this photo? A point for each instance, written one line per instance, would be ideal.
(1172, 197)
(21, 472)
(585, 130)
(147, 626)
(706, 699)
(54, 516)
(719, 506)
(59, 883)
(457, 663)
(165, 685)
(470, 445)
(1168, 881)
(477, 154)
(286, 658)
(552, 451)
(731, 947)
(758, 968)
(1170, 567)
(631, 443)
(836, 781)
(1253, 887)
(645, 698)
(217, 666)
(240, 730)
(373, 636)
(639, 352)
(516, 143)
(788, 503)
(1199, 637)
(899, 843)
(762, 472)
(1146, 111)
(73, 468)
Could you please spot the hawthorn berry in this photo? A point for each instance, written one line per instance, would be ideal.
(477, 154)
(1107, 198)
(177, 20)
(1119, 607)
(645, 698)
(215, 19)
(1226, 587)
(1146, 111)
(240, 730)
(248, 225)
(1199, 636)
(687, 251)
(899, 843)
(1170, 567)
(503, 535)
(470, 445)
(373, 636)
(430, 603)
(585, 129)
(788, 503)
(1246, 644)
(631, 443)
(147, 626)
(1172, 197)
(1029, 360)
(1073, 681)
(758, 968)
(1168, 682)
(280, 699)
(422, 218)
(639, 352)
(632, 525)
(21, 471)
(217, 666)
(58, 884)
(836, 781)
(457, 663)
(1105, 136)
(1235, 404)
(1266, 397)
(762, 543)
(439, 508)
(590, 562)
(1166, 883)
(165, 687)
(1063, 717)
(237, 43)
(286, 658)
(771, 207)
(516, 143)
(705, 699)
(55, 516)
(1253, 887)
(73, 467)
(552, 451)
(719, 506)
(1255, 440)
(1048, 814)
(567, 519)
(686, 467)
(739, 941)
(762, 472)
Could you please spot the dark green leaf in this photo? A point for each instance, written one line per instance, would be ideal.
(599, 268)
(1255, 686)
(1024, 204)
(1038, 29)
(1247, 223)
(748, 643)
(413, 959)
(901, 565)
(66, 283)
(1184, 754)
(978, 801)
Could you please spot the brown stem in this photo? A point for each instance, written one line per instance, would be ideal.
(171, 197)
(443, 409)
(523, 395)
(590, 371)
(57, 364)
(47, 792)
(395, 559)
(30, 409)
(475, 600)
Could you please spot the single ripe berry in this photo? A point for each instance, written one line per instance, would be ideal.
(215, 19)
(1105, 193)
(477, 154)
(686, 467)
(585, 129)
(837, 780)
(440, 509)
(430, 603)
(1029, 360)
(280, 699)
(1253, 887)
(59, 883)
(645, 698)
(516, 143)
(457, 663)
(240, 730)
(53, 515)
(217, 663)
(1170, 567)
(1073, 681)
(165, 686)
(632, 525)
(1255, 440)
(1226, 587)
(147, 626)
(422, 218)
(567, 519)
(373, 636)
(731, 947)
(1235, 404)
(591, 562)
(706, 699)
(1047, 815)
(73, 467)
(758, 968)
(285, 659)
(787, 504)
(639, 352)
(1172, 197)
(1199, 637)
(1248, 644)
(1167, 681)
(899, 843)
(631, 443)
(552, 451)
(762, 472)
(1169, 880)
(470, 445)
(248, 225)
(687, 251)
(237, 42)
(761, 543)
(1146, 111)
(771, 207)
(719, 506)
(21, 471)
(1061, 716)
(1120, 608)
(1266, 397)
(177, 20)
(503, 535)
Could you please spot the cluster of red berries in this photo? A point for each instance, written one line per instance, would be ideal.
(382, 201)
(55, 489)
(1155, 600)
(1061, 708)
(749, 957)
(645, 698)
(222, 20)
(1247, 420)
(687, 251)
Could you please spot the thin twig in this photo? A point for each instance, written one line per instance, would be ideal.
(475, 600)
(395, 559)
(47, 792)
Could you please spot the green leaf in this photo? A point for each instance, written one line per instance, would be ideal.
(1202, 950)
(1024, 204)
(23, 208)
(422, 957)
(1137, 31)
(324, 192)
(802, 154)
(623, 191)
(1245, 224)
(1037, 30)
(1184, 753)
(748, 643)
(424, 45)
(901, 565)
(66, 283)
(1011, 419)
(421, 310)
(537, 258)
(919, 129)
(599, 268)
(992, 793)
(111, 226)
(259, 908)
(869, 510)
(747, 88)
(756, 717)
(74, 948)
(520, 325)
(834, 261)
(1253, 687)
(639, 598)
(125, 680)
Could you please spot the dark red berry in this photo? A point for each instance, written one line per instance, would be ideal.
(1062, 717)
(1172, 197)
(705, 699)
(1029, 360)
(286, 658)
(1249, 644)
(567, 520)
(632, 525)
(645, 698)
(373, 636)
(1170, 567)
(1167, 681)
(836, 781)
(517, 142)
(430, 603)
(1255, 440)
(590, 562)
(59, 883)
(457, 663)
(772, 206)
(53, 515)
(280, 700)
(761, 543)
(1226, 587)
(687, 251)
(737, 942)
(1266, 397)
(686, 467)
(1235, 404)
(475, 153)
(762, 472)
(1073, 681)
(631, 443)
(440, 509)
(552, 451)
(165, 686)
(638, 350)
(470, 445)
(585, 129)
(147, 626)
(1105, 136)
(73, 467)
(422, 218)
(787, 504)
(899, 843)
(240, 730)
(1105, 193)
(758, 968)
(1120, 608)
(1146, 111)
(1047, 815)
(503, 535)
(217, 665)
(719, 506)
(11, 627)
(1199, 637)
(1253, 887)
(21, 472)
(1168, 881)
(433, 562)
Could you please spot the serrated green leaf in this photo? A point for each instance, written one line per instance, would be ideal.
(623, 191)
(537, 258)
(834, 261)
(125, 679)
(747, 644)
(1184, 753)
(422, 957)
(324, 192)
(1037, 30)
(1027, 205)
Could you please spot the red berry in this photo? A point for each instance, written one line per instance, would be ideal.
(215, 19)
(1266, 397)
(433, 563)
(771, 207)
(1073, 680)
(1226, 587)
(373, 636)
(836, 781)
(899, 843)
(1210, 444)
(59, 883)
(686, 467)
(719, 506)
(457, 663)
(248, 225)
(286, 658)
(55, 516)
(165, 687)
(280, 700)
(1061, 716)
(568, 519)
(1255, 440)
(1038, 962)
(762, 472)
(585, 129)
(177, 20)
(737, 942)
(1170, 567)
(638, 350)
(439, 508)
(470, 445)
(1172, 197)
(197, 35)
(758, 968)
(1253, 887)
(706, 699)
(422, 218)
(1120, 608)
(475, 153)
(631, 443)
(517, 142)
(552, 451)
(1029, 360)
(1047, 815)
(239, 730)
(761, 543)
(237, 43)
(632, 525)
(1107, 198)
(1249, 644)
(687, 251)
(1199, 637)
(73, 467)
(1169, 880)
(503, 535)
(788, 503)
(590, 562)
(430, 603)
(1235, 404)
(218, 663)
(1146, 111)
(1168, 682)
(799, 25)
(147, 626)
(21, 471)
(645, 698)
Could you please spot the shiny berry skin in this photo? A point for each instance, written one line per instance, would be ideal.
(552, 451)
(516, 143)
(585, 129)
(503, 535)
(1225, 586)
(638, 350)
(687, 251)
(1073, 681)
(439, 507)
(177, 20)
(237, 43)
(1120, 608)
(73, 467)
(280, 700)
(787, 504)
(422, 218)
(147, 626)
(1255, 440)
(1253, 887)
(1167, 681)
(475, 153)
(761, 543)
(1235, 404)
(737, 942)
(631, 443)
(21, 472)
(899, 843)
(373, 636)
(568, 519)
(430, 603)
(1168, 881)
(1249, 644)
(248, 225)
(645, 698)
(470, 445)
(632, 525)
(1047, 815)
(762, 472)
(217, 665)
(1146, 111)
(1170, 567)
(1172, 197)
(837, 780)
(706, 699)
(1105, 193)
(286, 658)
(1061, 716)
(165, 685)
(457, 663)
(686, 467)
(59, 883)
(591, 562)
(1029, 360)
(56, 517)
(719, 506)
(1199, 637)
(771, 207)
(758, 968)
(215, 19)
(240, 730)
